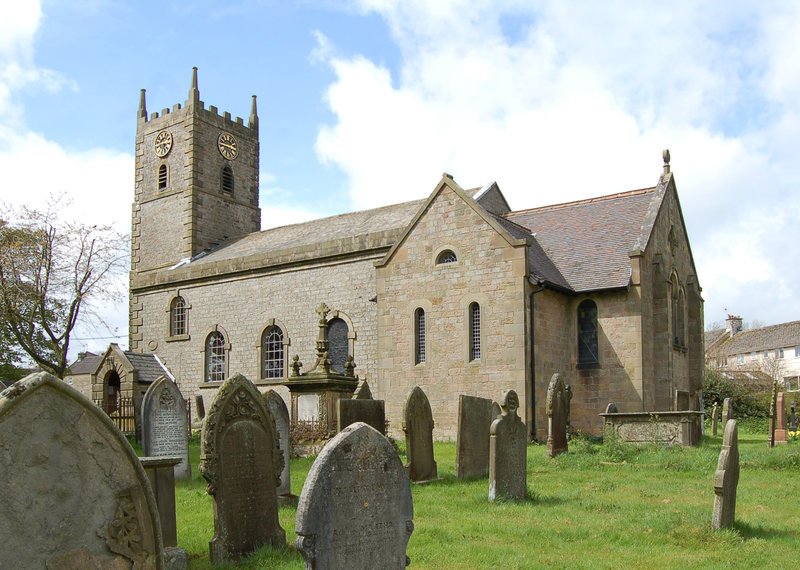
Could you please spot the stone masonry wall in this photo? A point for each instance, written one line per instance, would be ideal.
(490, 272)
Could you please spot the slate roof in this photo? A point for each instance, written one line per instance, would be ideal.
(148, 367)
(85, 365)
(589, 241)
(784, 335)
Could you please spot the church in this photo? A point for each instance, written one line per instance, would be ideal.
(456, 293)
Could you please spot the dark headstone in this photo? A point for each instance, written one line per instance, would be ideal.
(727, 412)
(792, 418)
(280, 413)
(74, 493)
(418, 426)
(362, 391)
(726, 478)
(242, 464)
(556, 407)
(165, 424)
(370, 412)
(200, 406)
(356, 509)
(714, 420)
(612, 408)
(472, 440)
(508, 452)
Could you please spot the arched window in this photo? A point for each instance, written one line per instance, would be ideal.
(227, 179)
(339, 345)
(419, 336)
(162, 177)
(447, 256)
(474, 331)
(587, 333)
(177, 317)
(272, 352)
(215, 357)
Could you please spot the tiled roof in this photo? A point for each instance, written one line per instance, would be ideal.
(589, 241)
(85, 365)
(785, 335)
(307, 234)
(148, 367)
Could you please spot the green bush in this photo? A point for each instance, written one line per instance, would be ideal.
(748, 401)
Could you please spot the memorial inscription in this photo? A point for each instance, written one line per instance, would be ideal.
(166, 425)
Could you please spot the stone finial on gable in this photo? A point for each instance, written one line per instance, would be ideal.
(666, 157)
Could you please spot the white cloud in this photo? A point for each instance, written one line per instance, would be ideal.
(563, 100)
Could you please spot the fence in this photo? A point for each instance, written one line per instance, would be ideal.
(121, 412)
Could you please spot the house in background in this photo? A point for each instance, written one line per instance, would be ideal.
(772, 350)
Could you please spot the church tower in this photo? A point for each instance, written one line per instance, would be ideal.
(196, 181)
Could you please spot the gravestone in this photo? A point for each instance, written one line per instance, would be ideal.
(496, 410)
(74, 493)
(556, 408)
(781, 435)
(714, 412)
(726, 478)
(472, 440)
(370, 412)
(166, 425)
(508, 452)
(356, 509)
(568, 391)
(682, 401)
(772, 414)
(161, 474)
(362, 391)
(242, 464)
(792, 418)
(280, 413)
(418, 426)
(727, 411)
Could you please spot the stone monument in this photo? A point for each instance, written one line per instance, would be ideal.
(792, 418)
(74, 493)
(781, 435)
(508, 452)
(242, 463)
(165, 422)
(772, 414)
(714, 412)
(472, 440)
(362, 391)
(356, 509)
(370, 412)
(726, 478)
(556, 408)
(418, 427)
(727, 411)
(280, 413)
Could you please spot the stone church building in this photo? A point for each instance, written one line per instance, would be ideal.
(456, 293)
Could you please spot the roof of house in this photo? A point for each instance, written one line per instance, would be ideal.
(784, 335)
(589, 241)
(86, 364)
(148, 366)
(577, 246)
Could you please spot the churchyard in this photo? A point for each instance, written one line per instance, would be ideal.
(595, 506)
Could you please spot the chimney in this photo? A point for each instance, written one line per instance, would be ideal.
(733, 324)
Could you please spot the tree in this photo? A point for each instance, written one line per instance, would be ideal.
(50, 273)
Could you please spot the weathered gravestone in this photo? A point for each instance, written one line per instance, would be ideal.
(496, 410)
(556, 406)
(355, 510)
(727, 411)
(682, 400)
(370, 412)
(362, 391)
(418, 426)
(472, 440)
(166, 425)
(781, 436)
(772, 414)
(242, 464)
(714, 412)
(508, 452)
(280, 414)
(74, 492)
(726, 478)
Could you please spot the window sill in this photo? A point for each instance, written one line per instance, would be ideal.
(210, 385)
(271, 381)
(177, 338)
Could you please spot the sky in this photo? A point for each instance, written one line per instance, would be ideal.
(364, 103)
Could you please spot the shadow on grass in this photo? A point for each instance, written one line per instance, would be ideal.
(748, 531)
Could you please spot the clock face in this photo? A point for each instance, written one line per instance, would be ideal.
(163, 143)
(227, 146)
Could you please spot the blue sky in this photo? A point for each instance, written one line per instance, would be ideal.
(367, 102)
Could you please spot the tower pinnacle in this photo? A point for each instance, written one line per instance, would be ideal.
(142, 113)
(253, 122)
(194, 92)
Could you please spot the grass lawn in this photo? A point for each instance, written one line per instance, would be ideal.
(596, 506)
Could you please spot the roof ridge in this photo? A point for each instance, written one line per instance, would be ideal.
(624, 194)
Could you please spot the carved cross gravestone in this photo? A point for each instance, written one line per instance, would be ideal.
(556, 408)
(74, 493)
(508, 452)
(726, 478)
(280, 413)
(714, 412)
(242, 463)
(472, 440)
(166, 425)
(356, 509)
(418, 426)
